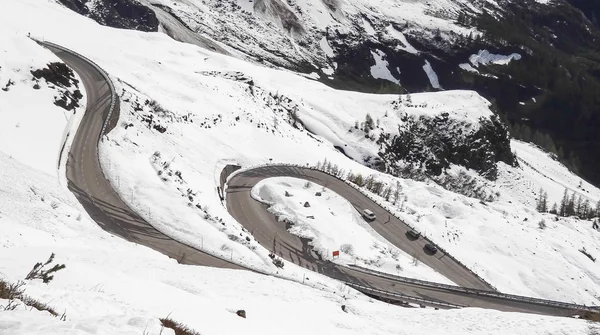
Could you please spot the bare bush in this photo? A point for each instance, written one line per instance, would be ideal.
(38, 271)
(347, 249)
(178, 327)
(15, 292)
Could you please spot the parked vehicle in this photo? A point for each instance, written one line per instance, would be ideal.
(369, 215)
(432, 249)
(413, 234)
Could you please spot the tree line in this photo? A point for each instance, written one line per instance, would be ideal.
(570, 205)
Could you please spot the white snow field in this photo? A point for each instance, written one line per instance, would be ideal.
(332, 223)
(114, 287)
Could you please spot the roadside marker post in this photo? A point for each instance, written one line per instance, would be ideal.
(336, 253)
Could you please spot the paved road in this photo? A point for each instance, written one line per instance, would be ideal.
(92, 189)
(273, 235)
(87, 182)
(388, 226)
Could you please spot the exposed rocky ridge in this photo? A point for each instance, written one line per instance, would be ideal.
(125, 14)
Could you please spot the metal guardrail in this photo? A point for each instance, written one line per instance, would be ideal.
(380, 204)
(113, 94)
(490, 293)
(400, 296)
(493, 294)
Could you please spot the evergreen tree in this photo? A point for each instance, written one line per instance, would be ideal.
(563, 204)
(369, 124)
(585, 210)
(598, 209)
(554, 209)
(578, 205)
(542, 203)
(571, 205)
(359, 180)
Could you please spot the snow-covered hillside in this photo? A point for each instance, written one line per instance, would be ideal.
(191, 111)
(185, 113)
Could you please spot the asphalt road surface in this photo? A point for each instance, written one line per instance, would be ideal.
(87, 182)
(273, 235)
(93, 190)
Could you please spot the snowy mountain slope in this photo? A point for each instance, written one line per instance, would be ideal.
(215, 109)
(112, 286)
(399, 46)
(193, 91)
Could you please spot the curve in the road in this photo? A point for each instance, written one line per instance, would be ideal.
(274, 236)
(87, 182)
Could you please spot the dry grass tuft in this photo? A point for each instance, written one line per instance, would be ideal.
(179, 328)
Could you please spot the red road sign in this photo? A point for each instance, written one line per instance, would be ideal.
(336, 253)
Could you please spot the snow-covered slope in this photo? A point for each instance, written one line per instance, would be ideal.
(185, 113)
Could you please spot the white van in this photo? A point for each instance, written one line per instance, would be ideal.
(368, 214)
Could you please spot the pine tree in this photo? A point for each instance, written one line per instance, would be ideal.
(554, 209)
(563, 204)
(368, 123)
(359, 180)
(369, 182)
(544, 204)
(598, 209)
(571, 205)
(578, 206)
(585, 210)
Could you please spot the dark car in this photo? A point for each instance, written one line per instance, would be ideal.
(430, 248)
(413, 235)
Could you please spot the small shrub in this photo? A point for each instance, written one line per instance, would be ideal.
(38, 271)
(14, 292)
(542, 224)
(307, 184)
(347, 249)
(178, 328)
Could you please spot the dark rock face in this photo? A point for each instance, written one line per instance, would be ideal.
(124, 14)
(62, 77)
(432, 144)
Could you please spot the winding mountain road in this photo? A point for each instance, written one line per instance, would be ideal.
(86, 180)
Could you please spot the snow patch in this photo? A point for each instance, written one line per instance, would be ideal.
(404, 45)
(484, 57)
(380, 69)
(433, 78)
